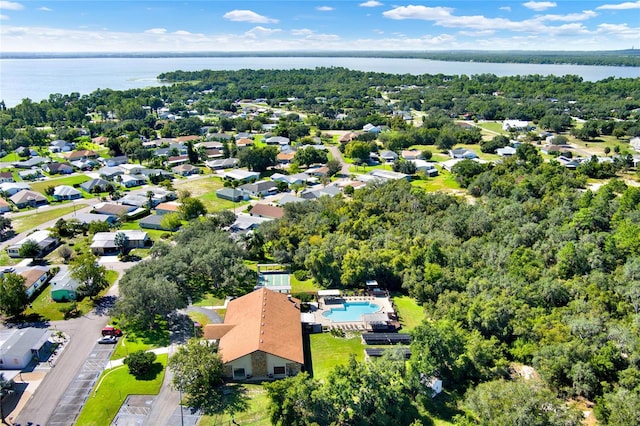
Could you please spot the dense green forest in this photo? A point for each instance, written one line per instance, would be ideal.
(537, 271)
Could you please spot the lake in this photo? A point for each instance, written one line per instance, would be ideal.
(37, 78)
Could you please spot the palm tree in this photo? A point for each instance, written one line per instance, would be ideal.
(5, 389)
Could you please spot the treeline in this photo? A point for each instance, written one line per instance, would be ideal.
(537, 271)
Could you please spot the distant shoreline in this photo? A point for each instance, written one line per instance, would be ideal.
(625, 58)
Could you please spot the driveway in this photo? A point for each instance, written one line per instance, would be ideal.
(337, 155)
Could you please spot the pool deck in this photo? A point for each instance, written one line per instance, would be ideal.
(383, 301)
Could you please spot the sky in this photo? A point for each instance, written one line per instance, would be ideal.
(309, 25)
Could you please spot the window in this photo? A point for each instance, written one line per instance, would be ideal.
(279, 371)
(238, 373)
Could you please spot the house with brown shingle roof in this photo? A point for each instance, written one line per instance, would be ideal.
(261, 336)
(244, 142)
(266, 210)
(34, 278)
(82, 154)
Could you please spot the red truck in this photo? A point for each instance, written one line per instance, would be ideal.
(111, 331)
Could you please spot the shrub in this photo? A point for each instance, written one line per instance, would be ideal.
(140, 363)
(301, 275)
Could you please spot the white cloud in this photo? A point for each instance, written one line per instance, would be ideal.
(418, 12)
(3, 17)
(10, 5)
(248, 16)
(324, 8)
(571, 17)
(156, 31)
(259, 31)
(621, 6)
(539, 6)
(505, 8)
(371, 3)
(301, 32)
(45, 9)
(182, 33)
(619, 30)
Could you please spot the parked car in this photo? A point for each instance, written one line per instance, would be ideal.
(111, 331)
(108, 340)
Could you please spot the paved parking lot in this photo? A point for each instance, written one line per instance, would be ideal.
(78, 391)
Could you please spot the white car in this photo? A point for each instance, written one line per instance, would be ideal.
(108, 340)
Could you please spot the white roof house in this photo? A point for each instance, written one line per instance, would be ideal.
(104, 242)
(241, 174)
(42, 238)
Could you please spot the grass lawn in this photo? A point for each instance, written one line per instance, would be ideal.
(154, 234)
(256, 413)
(41, 185)
(445, 181)
(112, 388)
(410, 313)
(46, 309)
(22, 223)
(328, 351)
(493, 126)
(5, 260)
(306, 286)
(209, 300)
(136, 340)
(205, 190)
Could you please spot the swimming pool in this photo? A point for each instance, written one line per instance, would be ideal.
(350, 311)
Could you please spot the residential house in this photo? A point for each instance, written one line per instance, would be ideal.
(100, 140)
(370, 128)
(462, 153)
(266, 210)
(388, 156)
(348, 137)
(245, 223)
(190, 138)
(321, 171)
(315, 193)
(209, 145)
(154, 221)
(285, 157)
(129, 181)
(132, 169)
(635, 143)
(426, 167)
(31, 162)
(161, 174)
(177, 160)
(113, 209)
(64, 288)
(384, 175)
(244, 135)
(110, 173)
(60, 145)
(66, 192)
(34, 278)
(185, 170)
(104, 242)
(27, 198)
(412, 154)
(213, 153)
(232, 194)
(81, 154)
(55, 168)
(241, 175)
(167, 207)
(261, 188)
(226, 163)
(115, 161)
(10, 188)
(42, 238)
(137, 200)
(277, 140)
(87, 218)
(31, 174)
(4, 206)
(288, 198)
(298, 178)
(507, 151)
(20, 346)
(95, 185)
(519, 125)
(244, 143)
(6, 177)
(84, 165)
(261, 337)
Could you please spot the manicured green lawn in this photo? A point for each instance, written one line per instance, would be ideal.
(38, 217)
(209, 300)
(46, 309)
(256, 413)
(140, 340)
(306, 286)
(154, 234)
(328, 351)
(41, 185)
(410, 313)
(5, 260)
(112, 388)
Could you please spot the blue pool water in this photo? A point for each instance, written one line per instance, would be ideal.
(351, 311)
